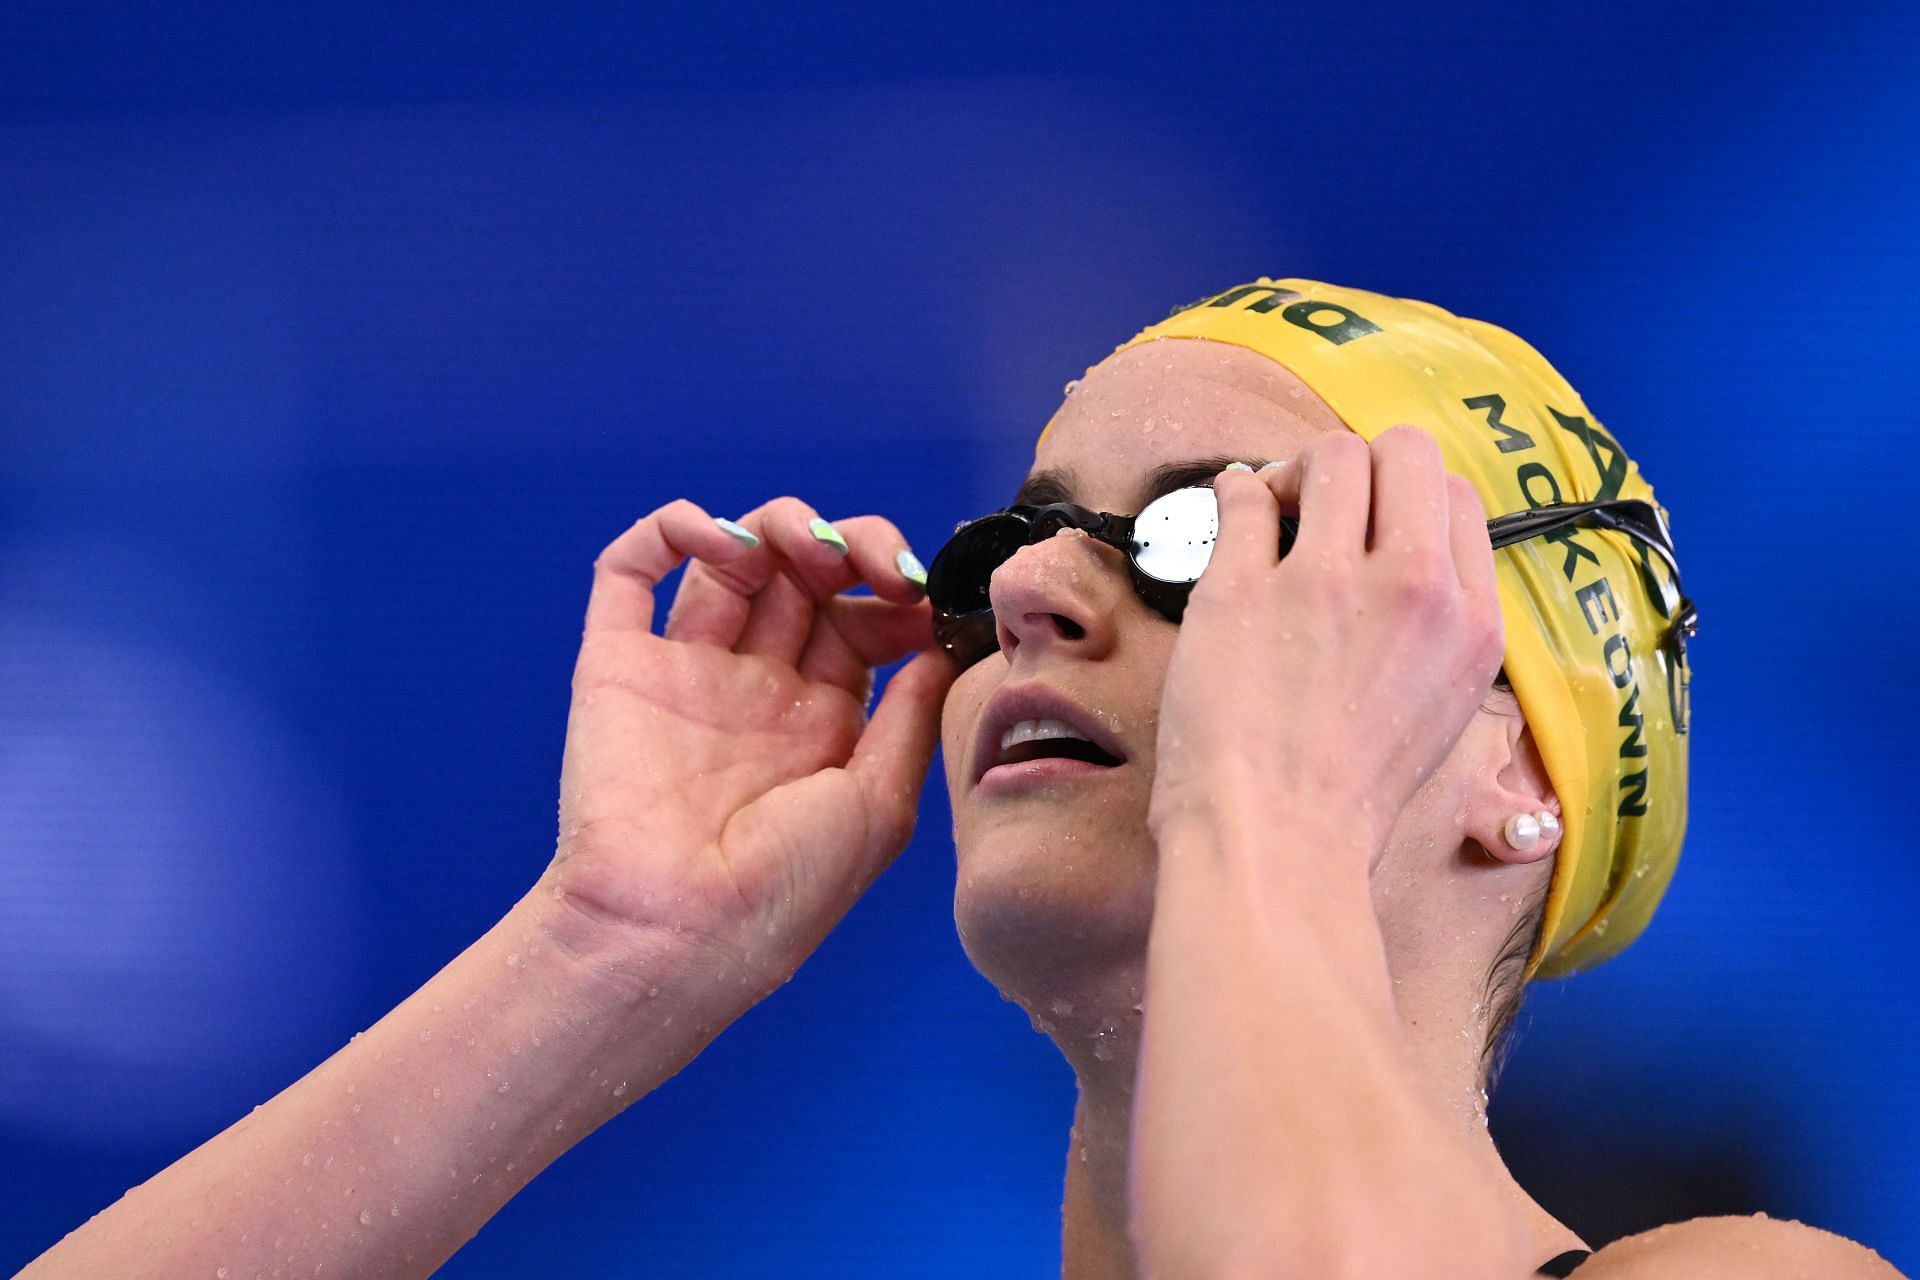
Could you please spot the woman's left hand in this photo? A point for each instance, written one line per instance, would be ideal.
(1336, 679)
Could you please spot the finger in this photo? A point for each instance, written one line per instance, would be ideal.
(627, 572)
(1410, 505)
(778, 619)
(778, 626)
(821, 558)
(828, 557)
(852, 635)
(874, 547)
(715, 601)
(890, 760)
(1336, 487)
(1472, 544)
(1282, 478)
(1249, 536)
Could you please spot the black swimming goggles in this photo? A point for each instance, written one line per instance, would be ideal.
(1169, 543)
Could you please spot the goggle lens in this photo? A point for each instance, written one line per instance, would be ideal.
(1173, 538)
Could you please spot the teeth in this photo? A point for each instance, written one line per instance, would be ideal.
(1028, 730)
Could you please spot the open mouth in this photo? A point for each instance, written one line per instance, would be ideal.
(1045, 748)
(1036, 733)
(1056, 748)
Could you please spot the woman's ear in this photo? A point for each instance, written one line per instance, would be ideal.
(1509, 796)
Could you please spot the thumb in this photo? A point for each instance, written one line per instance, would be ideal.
(890, 761)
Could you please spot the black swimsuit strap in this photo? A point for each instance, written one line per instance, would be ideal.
(1563, 1264)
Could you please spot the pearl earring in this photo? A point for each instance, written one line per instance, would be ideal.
(1549, 825)
(1523, 831)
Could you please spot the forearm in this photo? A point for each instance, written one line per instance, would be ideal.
(391, 1154)
(1281, 1126)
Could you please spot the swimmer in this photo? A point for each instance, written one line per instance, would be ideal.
(1272, 786)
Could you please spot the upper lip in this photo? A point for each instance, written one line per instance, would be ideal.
(1014, 703)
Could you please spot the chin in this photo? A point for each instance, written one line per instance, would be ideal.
(1031, 911)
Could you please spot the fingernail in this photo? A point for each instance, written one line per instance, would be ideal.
(1236, 466)
(739, 531)
(1275, 465)
(828, 534)
(911, 569)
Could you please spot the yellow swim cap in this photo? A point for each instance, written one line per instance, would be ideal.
(1587, 610)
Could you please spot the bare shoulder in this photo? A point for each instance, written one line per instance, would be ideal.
(1737, 1248)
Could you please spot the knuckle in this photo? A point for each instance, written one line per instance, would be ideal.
(1493, 631)
(1464, 494)
(1408, 435)
(788, 507)
(1339, 444)
(1424, 581)
(878, 528)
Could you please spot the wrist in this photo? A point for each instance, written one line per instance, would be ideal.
(1246, 820)
(620, 968)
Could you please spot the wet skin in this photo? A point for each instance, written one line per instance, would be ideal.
(1056, 868)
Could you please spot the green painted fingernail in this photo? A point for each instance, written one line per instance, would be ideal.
(739, 531)
(911, 569)
(1237, 466)
(828, 534)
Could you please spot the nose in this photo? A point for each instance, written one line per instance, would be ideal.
(1061, 593)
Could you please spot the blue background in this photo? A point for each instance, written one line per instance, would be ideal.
(334, 344)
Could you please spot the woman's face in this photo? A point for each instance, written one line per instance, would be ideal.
(1059, 871)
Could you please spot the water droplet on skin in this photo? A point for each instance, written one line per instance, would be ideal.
(366, 1217)
(513, 960)
(220, 1273)
(1063, 1008)
(505, 1085)
(621, 1091)
(306, 1159)
(1070, 387)
(425, 1035)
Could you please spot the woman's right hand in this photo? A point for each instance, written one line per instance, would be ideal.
(722, 784)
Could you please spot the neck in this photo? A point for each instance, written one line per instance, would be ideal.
(1094, 1240)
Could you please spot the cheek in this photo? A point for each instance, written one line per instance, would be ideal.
(960, 717)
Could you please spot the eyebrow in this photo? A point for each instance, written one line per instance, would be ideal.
(1056, 484)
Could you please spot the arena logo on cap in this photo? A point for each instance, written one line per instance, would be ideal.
(1337, 324)
(1595, 597)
